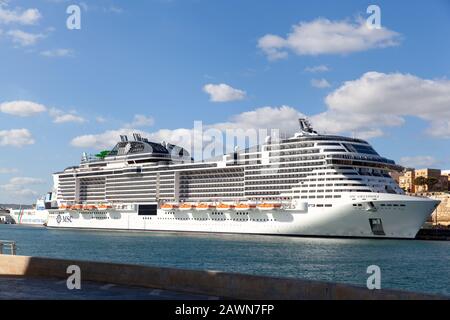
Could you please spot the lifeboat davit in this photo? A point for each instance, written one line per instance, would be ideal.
(225, 206)
(269, 206)
(205, 206)
(187, 206)
(169, 206)
(245, 206)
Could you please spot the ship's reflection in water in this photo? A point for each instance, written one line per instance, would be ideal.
(422, 266)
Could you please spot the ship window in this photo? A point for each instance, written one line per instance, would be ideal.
(147, 210)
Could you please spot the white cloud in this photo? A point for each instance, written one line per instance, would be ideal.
(440, 128)
(223, 92)
(23, 38)
(317, 69)
(22, 108)
(418, 161)
(103, 140)
(320, 83)
(20, 181)
(16, 137)
(60, 116)
(19, 186)
(379, 99)
(8, 170)
(322, 36)
(140, 121)
(68, 117)
(57, 53)
(100, 120)
(25, 17)
(284, 118)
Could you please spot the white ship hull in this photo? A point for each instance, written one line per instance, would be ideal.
(394, 216)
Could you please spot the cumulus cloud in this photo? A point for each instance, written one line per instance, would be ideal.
(16, 137)
(284, 118)
(323, 36)
(58, 53)
(22, 108)
(19, 186)
(23, 38)
(60, 116)
(418, 161)
(378, 99)
(24, 17)
(223, 92)
(320, 83)
(140, 121)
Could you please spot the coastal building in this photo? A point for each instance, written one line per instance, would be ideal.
(406, 181)
(433, 180)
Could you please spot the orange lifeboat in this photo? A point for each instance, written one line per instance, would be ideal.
(187, 206)
(225, 206)
(104, 206)
(76, 207)
(89, 207)
(205, 206)
(64, 206)
(269, 206)
(169, 206)
(245, 206)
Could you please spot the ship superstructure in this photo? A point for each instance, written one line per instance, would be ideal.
(308, 184)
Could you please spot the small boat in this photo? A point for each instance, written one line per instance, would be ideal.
(245, 206)
(225, 206)
(205, 206)
(187, 206)
(64, 206)
(169, 206)
(76, 207)
(269, 206)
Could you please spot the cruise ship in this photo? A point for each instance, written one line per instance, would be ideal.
(307, 185)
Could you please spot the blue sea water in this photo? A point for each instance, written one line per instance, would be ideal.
(421, 266)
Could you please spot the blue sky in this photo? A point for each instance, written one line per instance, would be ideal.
(146, 65)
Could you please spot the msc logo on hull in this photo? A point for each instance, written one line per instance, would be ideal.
(60, 219)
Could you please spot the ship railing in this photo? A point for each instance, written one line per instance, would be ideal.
(9, 245)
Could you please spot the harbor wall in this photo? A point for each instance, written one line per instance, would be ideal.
(212, 283)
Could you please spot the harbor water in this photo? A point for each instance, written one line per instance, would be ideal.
(413, 265)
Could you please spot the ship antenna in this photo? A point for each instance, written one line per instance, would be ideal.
(306, 127)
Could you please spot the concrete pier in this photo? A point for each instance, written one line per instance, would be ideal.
(196, 282)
